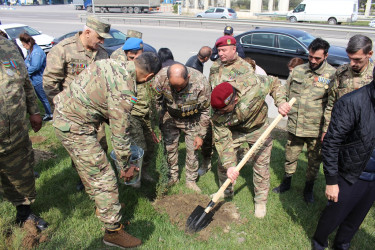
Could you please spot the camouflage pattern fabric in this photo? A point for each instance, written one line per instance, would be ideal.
(310, 88)
(220, 72)
(16, 98)
(346, 81)
(96, 173)
(293, 149)
(119, 54)
(104, 92)
(17, 174)
(65, 61)
(99, 25)
(187, 111)
(134, 33)
(246, 123)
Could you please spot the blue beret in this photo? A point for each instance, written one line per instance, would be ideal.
(133, 43)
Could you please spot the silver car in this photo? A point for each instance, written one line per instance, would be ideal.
(218, 12)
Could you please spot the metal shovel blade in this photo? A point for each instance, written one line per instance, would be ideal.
(198, 220)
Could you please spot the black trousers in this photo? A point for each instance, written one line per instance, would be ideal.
(354, 202)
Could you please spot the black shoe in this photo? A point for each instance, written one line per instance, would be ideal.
(47, 118)
(284, 186)
(308, 194)
(80, 186)
(39, 222)
(36, 175)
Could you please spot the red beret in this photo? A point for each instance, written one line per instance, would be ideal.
(221, 95)
(225, 41)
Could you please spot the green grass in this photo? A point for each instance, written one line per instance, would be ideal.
(289, 223)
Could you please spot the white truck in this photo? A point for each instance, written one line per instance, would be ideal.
(330, 11)
(125, 6)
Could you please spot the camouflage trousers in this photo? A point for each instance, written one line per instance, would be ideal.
(17, 174)
(171, 129)
(261, 160)
(101, 138)
(96, 173)
(293, 149)
(142, 137)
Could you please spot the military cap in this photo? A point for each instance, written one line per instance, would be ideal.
(97, 24)
(228, 30)
(225, 41)
(134, 33)
(133, 44)
(221, 95)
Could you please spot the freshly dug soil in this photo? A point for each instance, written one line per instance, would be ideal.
(37, 139)
(179, 207)
(32, 236)
(40, 155)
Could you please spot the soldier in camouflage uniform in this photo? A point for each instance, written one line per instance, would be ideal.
(309, 83)
(240, 115)
(227, 68)
(70, 57)
(17, 98)
(183, 103)
(351, 76)
(140, 129)
(120, 54)
(104, 92)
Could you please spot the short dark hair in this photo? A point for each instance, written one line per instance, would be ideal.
(184, 72)
(358, 42)
(149, 62)
(318, 44)
(165, 54)
(3, 34)
(26, 38)
(204, 52)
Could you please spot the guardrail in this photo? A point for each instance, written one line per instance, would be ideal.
(193, 22)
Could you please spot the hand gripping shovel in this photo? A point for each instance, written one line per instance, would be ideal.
(200, 217)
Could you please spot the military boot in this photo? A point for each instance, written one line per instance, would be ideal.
(193, 186)
(206, 166)
(24, 214)
(284, 186)
(308, 194)
(119, 238)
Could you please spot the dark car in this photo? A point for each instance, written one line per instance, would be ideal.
(110, 44)
(272, 48)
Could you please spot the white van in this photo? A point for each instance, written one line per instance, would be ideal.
(331, 11)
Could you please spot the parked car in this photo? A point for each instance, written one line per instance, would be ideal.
(372, 23)
(272, 48)
(13, 31)
(219, 12)
(110, 44)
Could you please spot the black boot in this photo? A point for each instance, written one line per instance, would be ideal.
(308, 194)
(80, 187)
(24, 213)
(285, 185)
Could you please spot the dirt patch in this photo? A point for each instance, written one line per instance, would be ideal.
(40, 155)
(280, 134)
(179, 207)
(32, 236)
(37, 139)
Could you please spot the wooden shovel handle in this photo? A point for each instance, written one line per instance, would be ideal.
(250, 153)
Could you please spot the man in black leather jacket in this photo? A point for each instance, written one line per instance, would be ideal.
(349, 167)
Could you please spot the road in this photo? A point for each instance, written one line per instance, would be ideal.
(57, 20)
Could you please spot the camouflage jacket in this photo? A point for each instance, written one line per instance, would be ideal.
(310, 88)
(220, 72)
(249, 114)
(104, 92)
(191, 103)
(141, 108)
(16, 97)
(346, 81)
(119, 54)
(65, 61)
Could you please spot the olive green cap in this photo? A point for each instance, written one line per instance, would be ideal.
(134, 33)
(97, 24)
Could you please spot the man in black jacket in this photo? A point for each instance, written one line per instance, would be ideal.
(197, 61)
(349, 167)
(228, 31)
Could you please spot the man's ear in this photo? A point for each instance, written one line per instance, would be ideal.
(236, 100)
(149, 76)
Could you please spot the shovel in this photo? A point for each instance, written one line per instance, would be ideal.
(200, 217)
